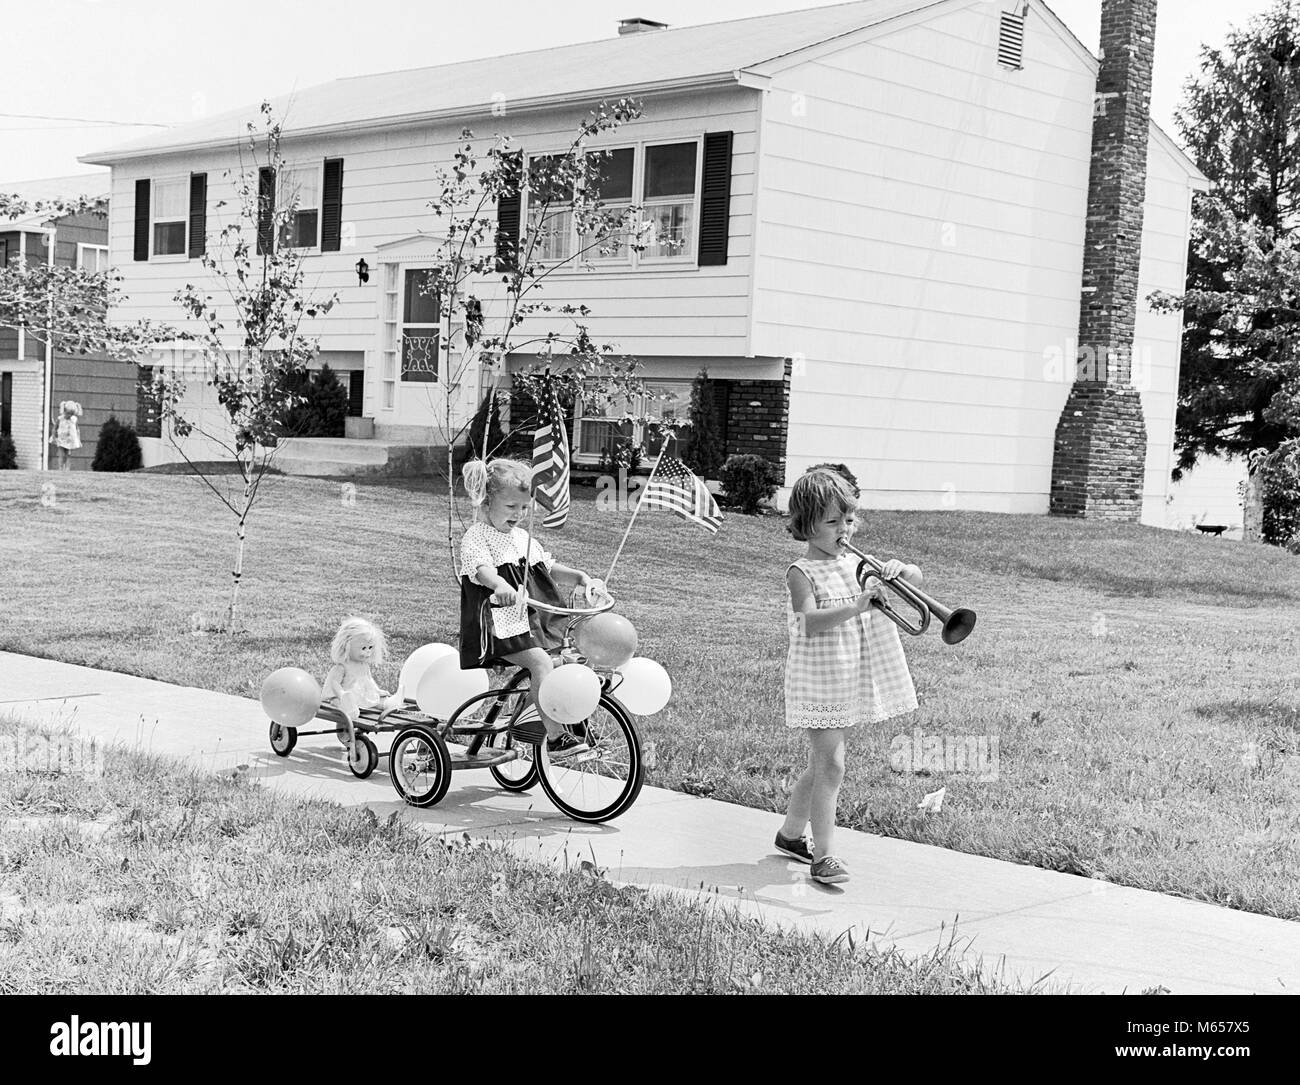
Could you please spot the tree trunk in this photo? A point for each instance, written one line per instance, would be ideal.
(1252, 523)
(238, 570)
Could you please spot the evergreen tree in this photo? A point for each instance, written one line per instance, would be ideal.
(704, 454)
(1240, 120)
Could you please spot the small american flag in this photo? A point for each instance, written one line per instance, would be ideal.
(551, 459)
(673, 487)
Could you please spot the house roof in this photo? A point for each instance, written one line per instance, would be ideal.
(627, 65)
(630, 64)
(95, 185)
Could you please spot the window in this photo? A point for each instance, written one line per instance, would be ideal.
(171, 208)
(615, 170)
(148, 404)
(4, 253)
(550, 218)
(420, 327)
(302, 184)
(662, 177)
(6, 402)
(598, 431)
(92, 257)
(669, 201)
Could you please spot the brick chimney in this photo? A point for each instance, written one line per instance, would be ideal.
(639, 26)
(1100, 457)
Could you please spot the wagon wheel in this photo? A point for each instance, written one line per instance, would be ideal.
(283, 738)
(363, 761)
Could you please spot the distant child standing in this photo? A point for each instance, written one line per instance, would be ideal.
(67, 436)
(845, 664)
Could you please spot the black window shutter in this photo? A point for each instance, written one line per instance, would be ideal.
(508, 219)
(198, 214)
(715, 199)
(142, 220)
(331, 207)
(265, 210)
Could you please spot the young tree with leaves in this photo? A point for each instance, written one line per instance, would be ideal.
(475, 250)
(258, 379)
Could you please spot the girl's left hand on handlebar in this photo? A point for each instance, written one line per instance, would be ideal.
(595, 589)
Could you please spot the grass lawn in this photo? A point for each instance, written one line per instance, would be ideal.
(1141, 684)
(156, 880)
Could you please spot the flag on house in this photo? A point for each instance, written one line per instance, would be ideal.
(551, 459)
(672, 486)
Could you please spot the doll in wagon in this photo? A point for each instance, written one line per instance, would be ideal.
(350, 684)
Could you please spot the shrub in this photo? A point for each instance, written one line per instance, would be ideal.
(118, 448)
(1279, 473)
(8, 453)
(704, 453)
(323, 409)
(624, 456)
(749, 481)
(474, 445)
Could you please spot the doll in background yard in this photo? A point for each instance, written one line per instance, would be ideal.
(66, 435)
(349, 684)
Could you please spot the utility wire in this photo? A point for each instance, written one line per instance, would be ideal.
(87, 120)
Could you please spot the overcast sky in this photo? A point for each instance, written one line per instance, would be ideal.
(165, 62)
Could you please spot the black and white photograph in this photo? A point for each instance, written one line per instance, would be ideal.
(565, 501)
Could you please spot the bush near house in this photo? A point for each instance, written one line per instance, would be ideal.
(8, 453)
(749, 481)
(323, 410)
(118, 448)
(475, 446)
(624, 456)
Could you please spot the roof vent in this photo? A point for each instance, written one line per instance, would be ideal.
(1011, 40)
(639, 26)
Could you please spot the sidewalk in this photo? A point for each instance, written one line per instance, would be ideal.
(1020, 921)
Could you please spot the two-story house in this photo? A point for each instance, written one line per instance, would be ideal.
(879, 210)
(34, 375)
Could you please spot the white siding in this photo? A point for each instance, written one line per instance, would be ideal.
(920, 232)
(1208, 494)
(388, 179)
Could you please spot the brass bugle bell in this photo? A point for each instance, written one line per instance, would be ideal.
(957, 623)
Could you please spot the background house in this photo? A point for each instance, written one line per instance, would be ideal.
(33, 377)
(882, 209)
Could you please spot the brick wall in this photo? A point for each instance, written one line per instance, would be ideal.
(758, 417)
(1100, 449)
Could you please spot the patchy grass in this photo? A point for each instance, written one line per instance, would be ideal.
(157, 880)
(1141, 685)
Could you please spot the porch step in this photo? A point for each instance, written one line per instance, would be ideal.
(332, 456)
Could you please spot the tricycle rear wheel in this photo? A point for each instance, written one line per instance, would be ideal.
(420, 766)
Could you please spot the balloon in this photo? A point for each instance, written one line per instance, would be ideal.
(418, 662)
(607, 640)
(444, 687)
(291, 696)
(569, 694)
(645, 688)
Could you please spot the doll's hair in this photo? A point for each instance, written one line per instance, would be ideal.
(484, 480)
(70, 405)
(813, 494)
(349, 631)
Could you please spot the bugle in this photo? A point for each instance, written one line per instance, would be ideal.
(957, 623)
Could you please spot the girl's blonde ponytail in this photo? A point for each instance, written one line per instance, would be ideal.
(475, 476)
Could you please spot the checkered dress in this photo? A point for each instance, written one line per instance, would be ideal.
(853, 672)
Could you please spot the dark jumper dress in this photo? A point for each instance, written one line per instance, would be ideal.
(479, 644)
